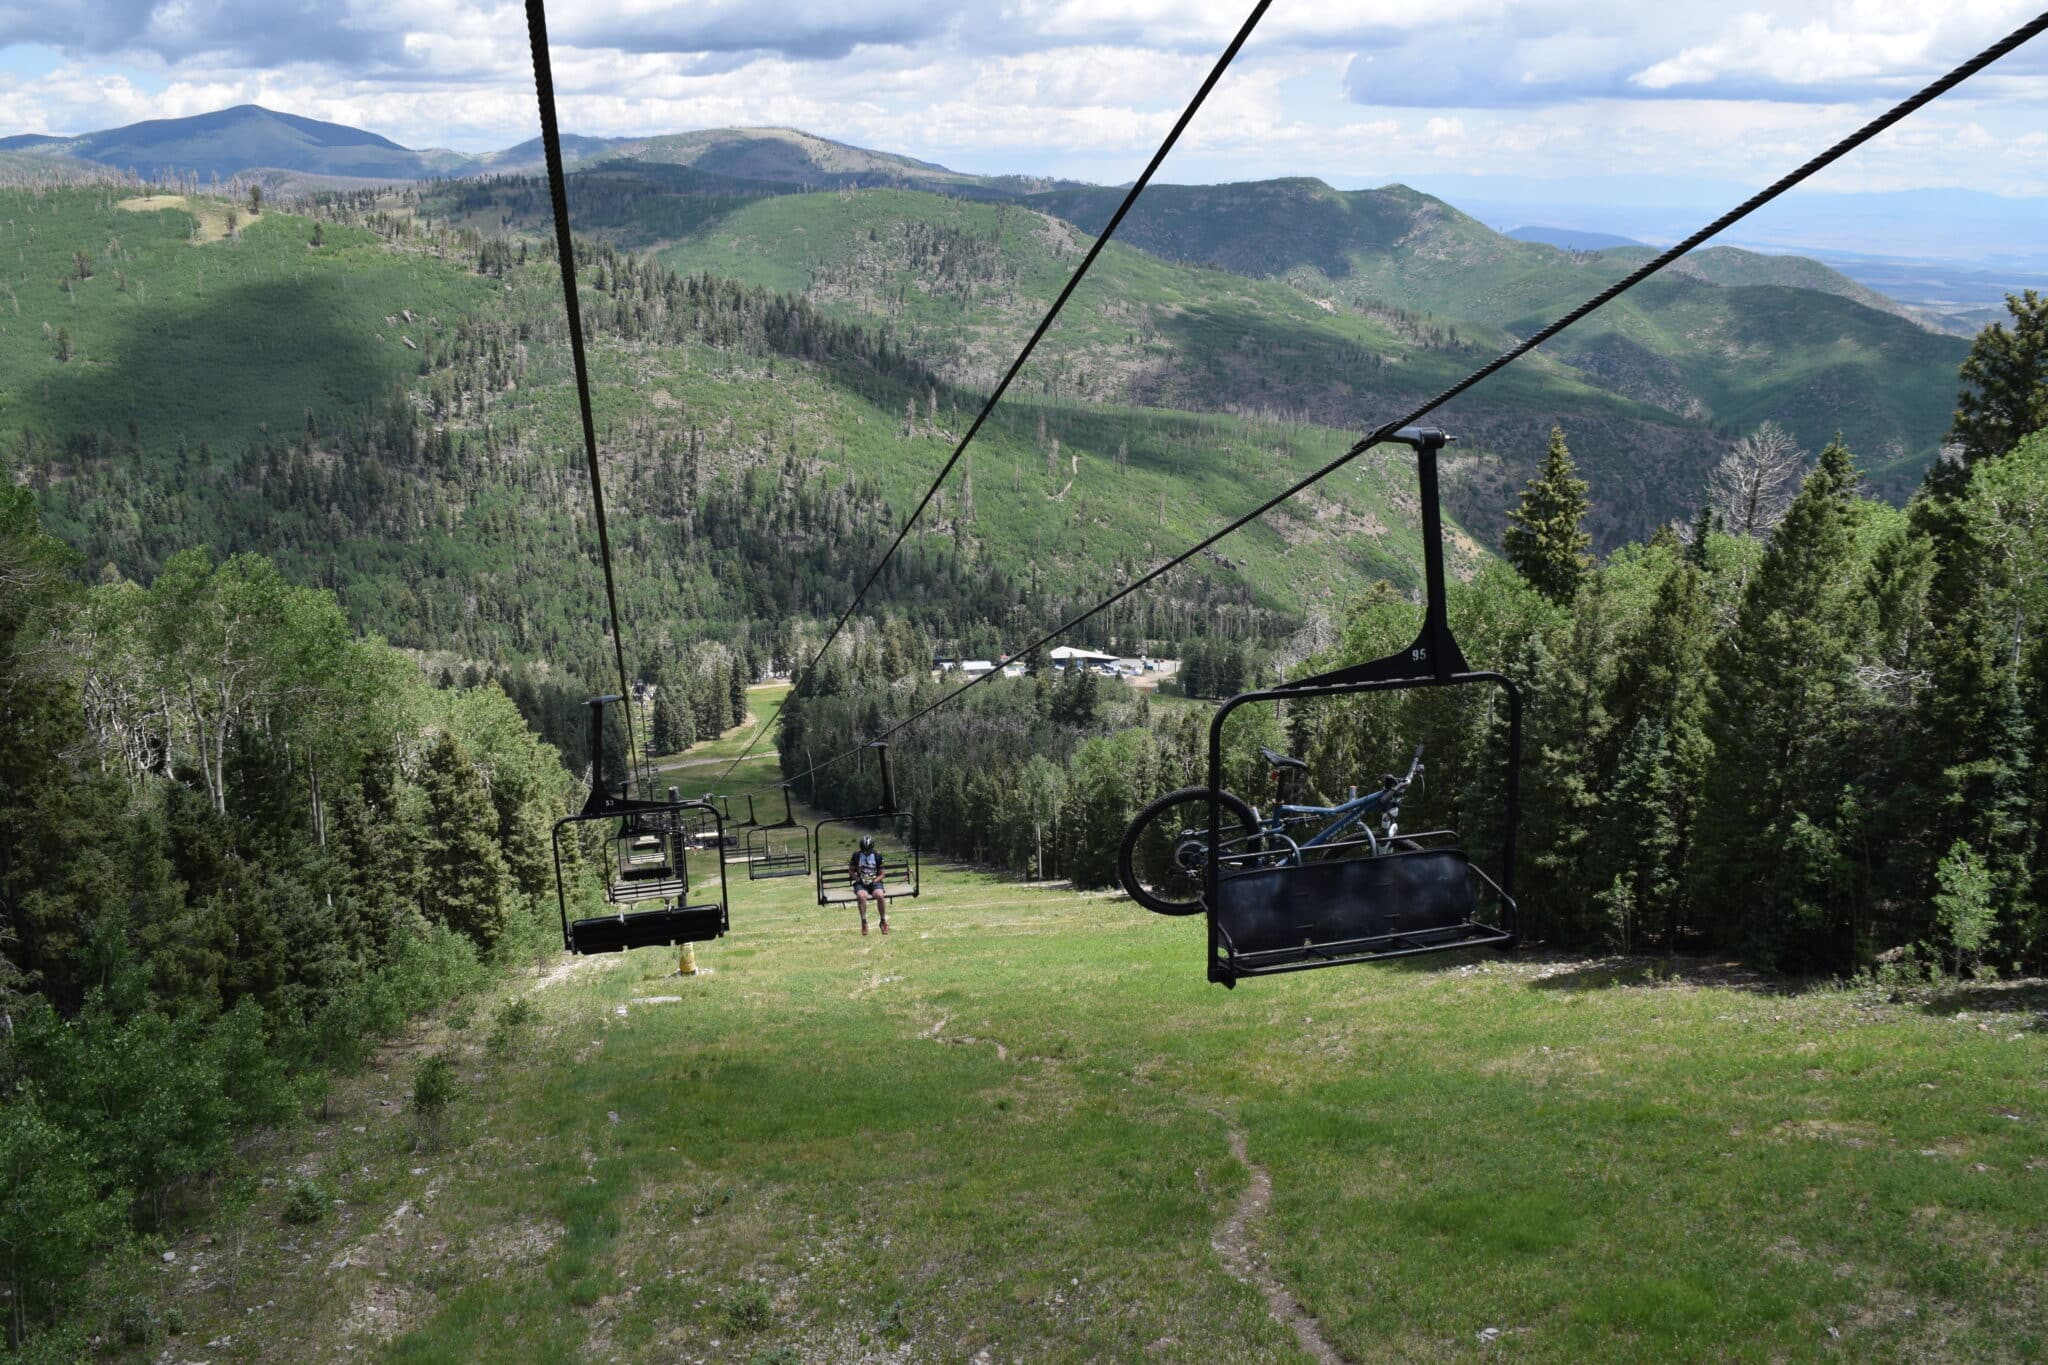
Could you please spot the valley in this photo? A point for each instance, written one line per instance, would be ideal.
(305, 819)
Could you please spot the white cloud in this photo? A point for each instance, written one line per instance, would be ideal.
(1354, 90)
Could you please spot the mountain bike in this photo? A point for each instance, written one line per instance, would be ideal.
(1165, 853)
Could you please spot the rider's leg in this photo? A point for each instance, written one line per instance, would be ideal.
(860, 898)
(882, 904)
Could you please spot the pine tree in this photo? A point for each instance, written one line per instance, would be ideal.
(1544, 540)
(2005, 378)
(1661, 684)
(1772, 833)
(736, 693)
(466, 881)
(1642, 837)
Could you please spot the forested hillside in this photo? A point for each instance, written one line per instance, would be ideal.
(1729, 337)
(238, 843)
(1289, 296)
(384, 406)
(961, 283)
(1814, 742)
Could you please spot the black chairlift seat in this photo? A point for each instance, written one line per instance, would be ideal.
(665, 927)
(735, 846)
(1268, 915)
(647, 862)
(1320, 914)
(789, 856)
(899, 880)
(895, 833)
(723, 804)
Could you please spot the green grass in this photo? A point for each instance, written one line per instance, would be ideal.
(1006, 1127)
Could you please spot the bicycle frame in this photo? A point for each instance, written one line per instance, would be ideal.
(1349, 813)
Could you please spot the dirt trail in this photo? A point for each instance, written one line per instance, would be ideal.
(1234, 1243)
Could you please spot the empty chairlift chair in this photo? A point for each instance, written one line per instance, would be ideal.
(894, 832)
(646, 861)
(1286, 913)
(738, 813)
(781, 849)
(703, 823)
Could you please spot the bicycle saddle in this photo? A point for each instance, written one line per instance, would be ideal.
(1282, 760)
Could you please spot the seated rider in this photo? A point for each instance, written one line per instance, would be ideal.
(865, 869)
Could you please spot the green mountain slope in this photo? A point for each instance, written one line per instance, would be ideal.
(1730, 356)
(260, 393)
(960, 284)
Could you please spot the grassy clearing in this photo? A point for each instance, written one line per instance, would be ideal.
(209, 216)
(1008, 1128)
(764, 704)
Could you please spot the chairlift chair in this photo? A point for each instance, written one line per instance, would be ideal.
(733, 848)
(895, 833)
(768, 858)
(703, 825)
(647, 862)
(1271, 914)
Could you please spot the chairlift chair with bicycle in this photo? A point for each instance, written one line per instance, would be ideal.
(1304, 886)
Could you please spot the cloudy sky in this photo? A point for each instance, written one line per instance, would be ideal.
(1603, 97)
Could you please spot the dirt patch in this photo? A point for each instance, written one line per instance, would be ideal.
(1828, 1130)
(210, 215)
(935, 1032)
(1234, 1243)
(385, 1311)
(526, 1243)
(563, 970)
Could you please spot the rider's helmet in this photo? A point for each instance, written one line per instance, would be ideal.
(867, 843)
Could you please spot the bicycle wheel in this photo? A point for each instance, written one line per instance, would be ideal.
(1165, 852)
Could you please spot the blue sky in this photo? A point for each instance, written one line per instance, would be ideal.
(1611, 101)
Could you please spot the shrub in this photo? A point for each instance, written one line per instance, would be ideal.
(137, 1322)
(306, 1201)
(749, 1310)
(434, 1088)
(53, 1218)
(514, 1018)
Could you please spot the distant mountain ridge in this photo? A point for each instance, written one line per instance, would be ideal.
(1570, 239)
(247, 137)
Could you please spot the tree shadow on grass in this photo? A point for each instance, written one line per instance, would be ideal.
(1562, 972)
(2027, 996)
